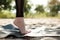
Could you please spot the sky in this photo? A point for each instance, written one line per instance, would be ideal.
(41, 2)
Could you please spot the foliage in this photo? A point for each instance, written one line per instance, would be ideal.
(27, 7)
(39, 9)
(54, 7)
(53, 2)
(5, 9)
(7, 14)
(5, 4)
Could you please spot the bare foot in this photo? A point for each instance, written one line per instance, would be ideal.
(25, 32)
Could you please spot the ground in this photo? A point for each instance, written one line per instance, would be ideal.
(33, 21)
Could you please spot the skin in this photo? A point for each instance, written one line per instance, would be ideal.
(19, 22)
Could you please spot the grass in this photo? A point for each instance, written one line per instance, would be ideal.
(9, 14)
(41, 15)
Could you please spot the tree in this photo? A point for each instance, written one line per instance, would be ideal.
(5, 9)
(39, 9)
(54, 7)
(27, 7)
(53, 2)
(5, 4)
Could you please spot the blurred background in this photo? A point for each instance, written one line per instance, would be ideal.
(42, 8)
(32, 9)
